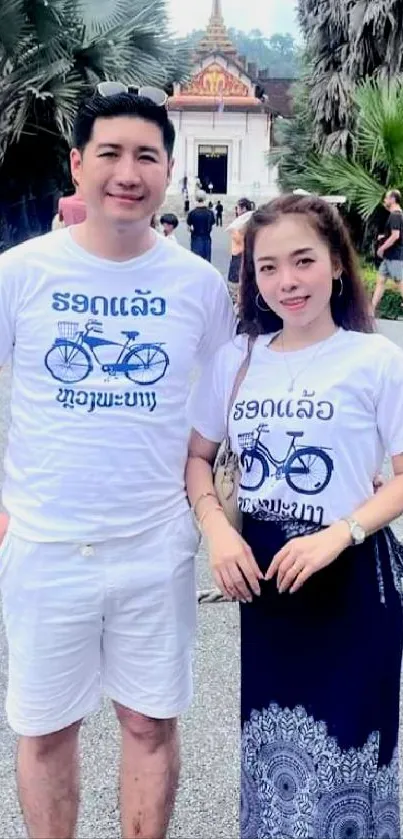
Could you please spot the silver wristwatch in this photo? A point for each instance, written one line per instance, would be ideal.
(358, 534)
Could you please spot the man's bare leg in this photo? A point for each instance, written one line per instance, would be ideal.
(48, 783)
(149, 774)
(378, 293)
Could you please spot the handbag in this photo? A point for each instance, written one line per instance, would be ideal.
(226, 471)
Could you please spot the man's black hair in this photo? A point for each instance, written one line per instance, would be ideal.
(121, 105)
(170, 218)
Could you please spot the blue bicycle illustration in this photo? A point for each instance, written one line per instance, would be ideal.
(307, 469)
(71, 358)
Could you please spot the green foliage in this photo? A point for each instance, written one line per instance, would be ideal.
(347, 42)
(293, 141)
(52, 53)
(349, 120)
(376, 163)
(279, 54)
(390, 306)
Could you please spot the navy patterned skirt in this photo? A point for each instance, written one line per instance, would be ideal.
(320, 695)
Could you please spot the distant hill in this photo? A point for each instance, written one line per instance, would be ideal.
(280, 53)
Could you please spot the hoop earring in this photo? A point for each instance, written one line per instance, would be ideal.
(341, 290)
(258, 306)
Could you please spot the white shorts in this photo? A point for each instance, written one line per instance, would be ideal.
(115, 618)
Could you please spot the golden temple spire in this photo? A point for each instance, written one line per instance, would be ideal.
(216, 38)
(217, 11)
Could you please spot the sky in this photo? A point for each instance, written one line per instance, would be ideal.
(278, 16)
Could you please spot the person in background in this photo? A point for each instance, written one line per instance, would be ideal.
(390, 250)
(219, 211)
(200, 223)
(72, 209)
(169, 223)
(243, 211)
(4, 522)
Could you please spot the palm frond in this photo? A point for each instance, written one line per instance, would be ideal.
(379, 126)
(335, 174)
(66, 92)
(14, 27)
(101, 17)
(347, 41)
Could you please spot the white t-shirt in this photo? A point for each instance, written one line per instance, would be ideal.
(103, 354)
(310, 454)
(171, 239)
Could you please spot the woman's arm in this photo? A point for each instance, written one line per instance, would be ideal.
(302, 557)
(233, 565)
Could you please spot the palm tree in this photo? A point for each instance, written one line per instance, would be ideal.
(376, 163)
(52, 53)
(347, 41)
(292, 147)
(325, 25)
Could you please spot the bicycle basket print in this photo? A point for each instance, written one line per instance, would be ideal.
(306, 469)
(77, 351)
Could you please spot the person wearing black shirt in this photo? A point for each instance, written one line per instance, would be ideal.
(201, 222)
(391, 248)
(219, 209)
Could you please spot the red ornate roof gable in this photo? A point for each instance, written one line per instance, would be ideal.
(215, 80)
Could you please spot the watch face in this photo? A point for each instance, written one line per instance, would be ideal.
(358, 534)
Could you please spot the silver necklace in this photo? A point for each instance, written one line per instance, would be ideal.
(294, 377)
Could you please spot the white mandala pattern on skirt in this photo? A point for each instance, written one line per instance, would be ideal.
(298, 784)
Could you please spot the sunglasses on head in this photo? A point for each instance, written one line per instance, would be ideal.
(155, 94)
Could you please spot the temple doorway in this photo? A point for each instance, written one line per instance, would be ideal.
(213, 169)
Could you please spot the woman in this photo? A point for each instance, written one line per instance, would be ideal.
(317, 571)
(244, 207)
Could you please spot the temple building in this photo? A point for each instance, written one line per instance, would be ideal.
(223, 118)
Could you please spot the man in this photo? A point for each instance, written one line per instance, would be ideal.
(200, 223)
(391, 249)
(219, 210)
(105, 322)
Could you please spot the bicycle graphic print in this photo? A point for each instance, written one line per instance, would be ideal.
(74, 353)
(307, 469)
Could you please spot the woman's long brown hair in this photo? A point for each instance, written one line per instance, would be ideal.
(350, 309)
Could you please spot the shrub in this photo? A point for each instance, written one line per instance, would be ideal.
(390, 306)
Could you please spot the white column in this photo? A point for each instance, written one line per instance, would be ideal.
(192, 159)
(234, 167)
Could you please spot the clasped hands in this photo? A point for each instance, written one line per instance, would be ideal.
(239, 577)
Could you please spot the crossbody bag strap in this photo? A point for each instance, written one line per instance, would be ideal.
(240, 376)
